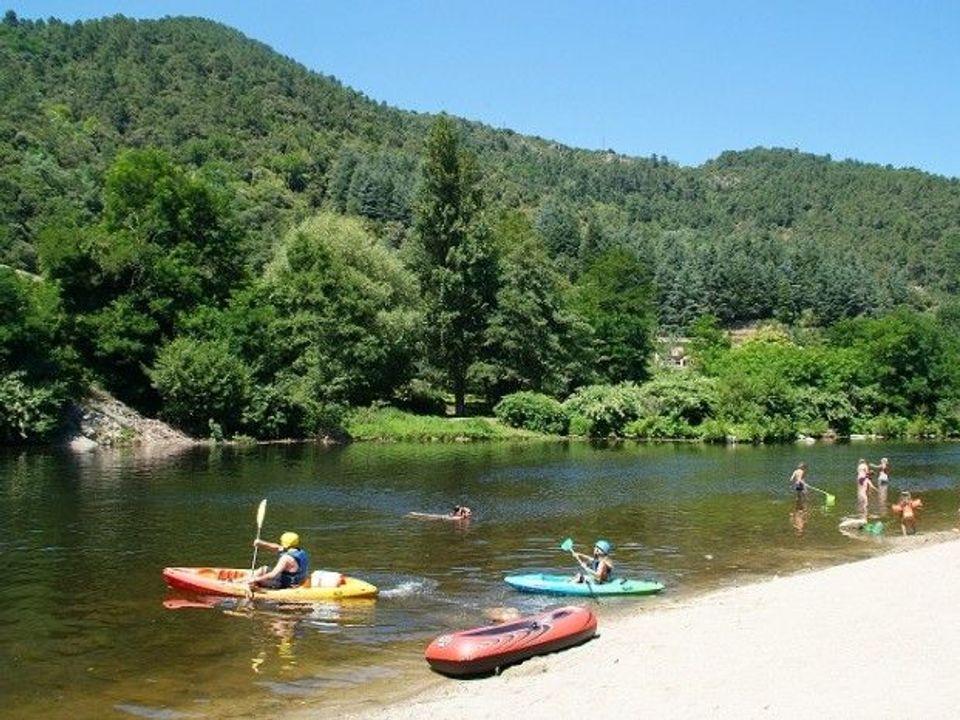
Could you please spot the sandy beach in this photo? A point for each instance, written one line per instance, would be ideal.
(872, 639)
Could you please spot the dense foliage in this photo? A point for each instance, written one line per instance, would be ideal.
(224, 238)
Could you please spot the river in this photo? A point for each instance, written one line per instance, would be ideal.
(84, 631)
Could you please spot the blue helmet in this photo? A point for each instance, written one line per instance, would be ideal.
(603, 546)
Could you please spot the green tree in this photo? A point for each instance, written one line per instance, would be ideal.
(201, 382)
(458, 269)
(615, 297)
(533, 341)
(333, 321)
(165, 245)
(39, 372)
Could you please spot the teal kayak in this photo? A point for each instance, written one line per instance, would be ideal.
(565, 585)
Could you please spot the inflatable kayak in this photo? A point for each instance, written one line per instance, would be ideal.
(486, 649)
(321, 585)
(565, 585)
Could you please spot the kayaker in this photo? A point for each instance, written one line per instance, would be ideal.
(293, 565)
(598, 567)
(461, 511)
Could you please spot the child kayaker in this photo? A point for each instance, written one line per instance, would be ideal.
(596, 568)
(292, 568)
(906, 507)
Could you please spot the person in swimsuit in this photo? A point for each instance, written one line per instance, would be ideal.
(883, 471)
(883, 481)
(798, 481)
(864, 485)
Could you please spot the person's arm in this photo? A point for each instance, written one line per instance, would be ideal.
(582, 560)
(267, 545)
(284, 563)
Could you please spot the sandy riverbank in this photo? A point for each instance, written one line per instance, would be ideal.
(876, 639)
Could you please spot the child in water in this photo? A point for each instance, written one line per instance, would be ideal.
(864, 484)
(907, 508)
(798, 481)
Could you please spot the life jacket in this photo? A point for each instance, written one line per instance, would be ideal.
(290, 579)
(595, 566)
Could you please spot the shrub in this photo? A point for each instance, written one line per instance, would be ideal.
(289, 408)
(420, 398)
(200, 381)
(658, 427)
(603, 410)
(888, 426)
(680, 396)
(27, 412)
(533, 411)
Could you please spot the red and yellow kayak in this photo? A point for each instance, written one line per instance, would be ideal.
(486, 649)
(232, 582)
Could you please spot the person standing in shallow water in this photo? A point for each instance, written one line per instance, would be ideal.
(864, 485)
(798, 481)
(883, 481)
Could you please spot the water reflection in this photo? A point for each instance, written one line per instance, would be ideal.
(799, 516)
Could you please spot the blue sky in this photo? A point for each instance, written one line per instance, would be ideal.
(872, 80)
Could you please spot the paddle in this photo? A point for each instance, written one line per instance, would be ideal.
(567, 546)
(829, 499)
(261, 512)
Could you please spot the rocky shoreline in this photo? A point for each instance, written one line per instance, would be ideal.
(103, 421)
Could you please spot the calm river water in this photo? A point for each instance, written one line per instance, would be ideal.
(84, 632)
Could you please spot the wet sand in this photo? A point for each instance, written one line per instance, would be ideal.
(876, 638)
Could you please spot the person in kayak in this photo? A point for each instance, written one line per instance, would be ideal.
(596, 568)
(461, 512)
(292, 568)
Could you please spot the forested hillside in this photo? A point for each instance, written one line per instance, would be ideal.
(198, 206)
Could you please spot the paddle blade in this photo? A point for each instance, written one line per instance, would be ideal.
(567, 545)
(830, 500)
(261, 512)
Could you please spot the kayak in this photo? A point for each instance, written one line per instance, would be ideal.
(487, 649)
(565, 585)
(321, 585)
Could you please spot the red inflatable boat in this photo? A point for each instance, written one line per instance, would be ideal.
(486, 649)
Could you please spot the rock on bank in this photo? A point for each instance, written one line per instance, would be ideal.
(103, 421)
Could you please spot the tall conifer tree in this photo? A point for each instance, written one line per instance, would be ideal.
(458, 267)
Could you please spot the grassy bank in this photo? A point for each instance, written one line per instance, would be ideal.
(393, 424)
